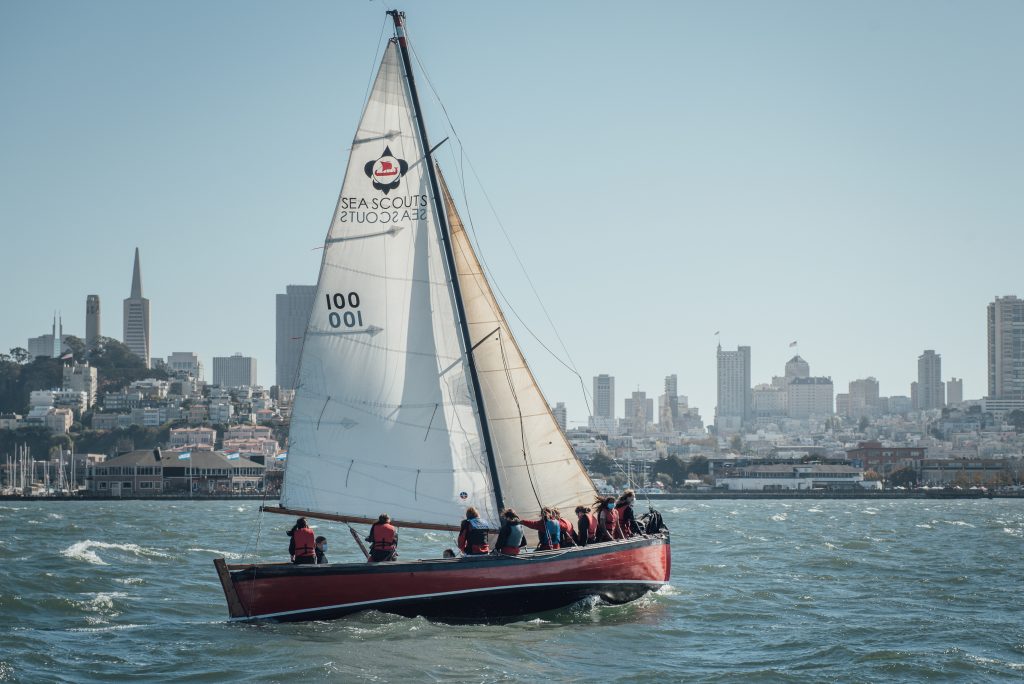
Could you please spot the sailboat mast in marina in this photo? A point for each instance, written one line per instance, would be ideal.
(414, 398)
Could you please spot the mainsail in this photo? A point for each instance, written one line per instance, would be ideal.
(387, 414)
(384, 418)
(536, 465)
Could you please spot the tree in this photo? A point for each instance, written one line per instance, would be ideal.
(1016, 419)
(601, 463)
(863, 424)
(20, 355)
(736, 443)
(872, 476)
(903, 477)
(699, 465)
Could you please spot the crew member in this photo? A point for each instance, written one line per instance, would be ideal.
(586, 524)
(383, 540)
(608, 520)
(321, 550)
(302, 546)
(566, 533)
(511, 536)
(473, 534)
(627, 520)
(548, 530)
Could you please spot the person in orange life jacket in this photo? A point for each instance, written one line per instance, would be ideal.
(607, 520)
(587, 525)
(511, 536)
(321, 550)
(566, 533)
(627, 521)
(302, 547)
(548, 530)
(383, 540)
(473, 534)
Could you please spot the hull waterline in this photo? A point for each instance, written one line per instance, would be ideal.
(469, 589)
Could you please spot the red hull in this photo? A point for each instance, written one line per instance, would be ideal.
(470, 588)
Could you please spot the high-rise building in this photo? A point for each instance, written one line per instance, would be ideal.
(671, 400)
(931, 393)
(604, 403)
(234, 371)
(293, 311)
(185, 364)
(639, 411)
(92, 321)
(50, 345)
(81, 377)
(561, 415)
(1006, 348)
(136, 317)
(954, 391)
(809, 397)
(863, 398)
(796, 367)
(735, 395)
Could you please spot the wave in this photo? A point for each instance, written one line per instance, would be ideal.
(84, 551)
(229, 555)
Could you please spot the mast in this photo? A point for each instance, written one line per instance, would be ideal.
(442, 217)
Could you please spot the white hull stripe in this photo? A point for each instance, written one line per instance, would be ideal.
(444, 593)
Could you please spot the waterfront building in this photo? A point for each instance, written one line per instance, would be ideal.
(293, 311)
(1006, 348)
(144, 472)
(735, 395)
(810, 396)
(805, 477)
(92, 321)
(234, 371)
(931, 393)
(136, 317)
(965, 472)
(185, 365)
(954, 391)
(81, 377)
(604, 403)
(884, 460)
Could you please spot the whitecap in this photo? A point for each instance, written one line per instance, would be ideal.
(129, 580)
(1013, 532)
(223, 554)
(814, 510)
(925, 526)
(958, 523)
(84, 551)
(55, 516)
(779, 517)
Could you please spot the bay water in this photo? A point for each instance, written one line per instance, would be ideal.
(765, 590)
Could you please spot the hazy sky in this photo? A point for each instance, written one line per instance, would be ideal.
(848, 175)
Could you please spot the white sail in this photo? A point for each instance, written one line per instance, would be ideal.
(384, 419)
(536, 466)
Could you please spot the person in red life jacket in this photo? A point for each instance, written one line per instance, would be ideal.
(624, 506)
(565, 531)
(608, 520)
(511, 536)
(586, 524)
(302, 547)
(549, 533)
(473, 534)
(383, 540)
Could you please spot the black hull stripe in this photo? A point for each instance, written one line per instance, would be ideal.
(652, 584)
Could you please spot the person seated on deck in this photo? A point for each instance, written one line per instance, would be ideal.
(566, 533)
(627, 520)
(448, 553)
(383, 540)
(608, 527)
(321, 550)
(586, 524)
(548, 530)
(302, 546)
(473, 534)
(511, 536)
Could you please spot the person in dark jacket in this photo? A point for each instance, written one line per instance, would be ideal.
(586, 525)
(321, 550)
(383, 540)
(511, 536)
(473, 534)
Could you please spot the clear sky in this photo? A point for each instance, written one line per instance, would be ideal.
(846, 175)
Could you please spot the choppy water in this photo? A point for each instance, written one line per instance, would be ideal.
(789, 591)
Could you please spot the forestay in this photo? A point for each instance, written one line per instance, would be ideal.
(535, 463)
(384, 419)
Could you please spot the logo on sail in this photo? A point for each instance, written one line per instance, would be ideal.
(386, 171)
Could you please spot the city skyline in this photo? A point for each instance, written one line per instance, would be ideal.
(797, 160)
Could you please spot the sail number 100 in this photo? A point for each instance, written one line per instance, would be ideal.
(343, 310)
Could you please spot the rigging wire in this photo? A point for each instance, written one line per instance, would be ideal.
(571, 365)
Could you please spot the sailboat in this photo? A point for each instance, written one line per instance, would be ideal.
(414, 399)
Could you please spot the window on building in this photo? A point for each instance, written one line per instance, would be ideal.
(103, 485)
(126, 485)
(145, 485)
